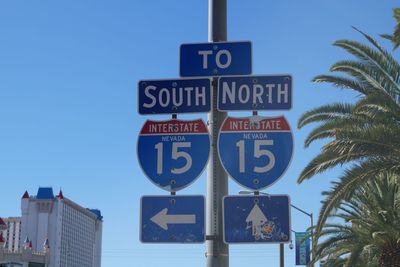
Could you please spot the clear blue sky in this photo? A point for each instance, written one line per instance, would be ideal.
(68, 101)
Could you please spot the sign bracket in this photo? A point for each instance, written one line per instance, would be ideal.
(211, 237)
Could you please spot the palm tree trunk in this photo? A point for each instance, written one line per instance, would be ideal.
(390, 257)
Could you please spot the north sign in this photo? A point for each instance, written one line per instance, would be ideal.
(255, 93)
(215, 59)
(255, 151)
(256, 219)
(173, 153)
(174, 96)
(172, 219)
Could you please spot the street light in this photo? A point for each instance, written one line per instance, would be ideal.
(291, 245)
(312, 231)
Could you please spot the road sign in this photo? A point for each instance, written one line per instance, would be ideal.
(255, 151)
(173, 153)
(256, 219)
(172, 219)
(302, 248)
(174, 96)
(255, 93)
(215, 59)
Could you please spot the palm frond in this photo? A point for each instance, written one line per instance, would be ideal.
(364, 234)
(324, 113)
(341, 82)
(367, 76)
(382, 62)
(325, 161)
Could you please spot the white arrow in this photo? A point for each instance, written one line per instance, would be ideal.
(257, 218)
(162, 219)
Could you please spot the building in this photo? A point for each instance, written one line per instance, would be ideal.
(57, 232)
(12, 234)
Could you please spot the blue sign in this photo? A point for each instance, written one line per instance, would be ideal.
(173, 153)
(255, 151)
(174, 96)
(215, 59)
(172, 219)
(302, 248)
(256, 219)
(255, 93)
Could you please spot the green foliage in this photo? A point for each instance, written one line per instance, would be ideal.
(363, 136)
(365, 227)
(395, 37)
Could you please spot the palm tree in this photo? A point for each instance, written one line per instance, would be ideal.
(370, 234)
(363, 136)
(395, 38)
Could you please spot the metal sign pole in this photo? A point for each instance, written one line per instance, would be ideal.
(217, 183)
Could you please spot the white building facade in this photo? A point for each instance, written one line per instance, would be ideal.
(67, 234)
(12, 234)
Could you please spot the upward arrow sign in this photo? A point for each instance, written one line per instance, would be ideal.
(257, 218)
(162, 219)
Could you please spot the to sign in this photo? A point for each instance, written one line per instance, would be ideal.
(255, 151)
(256, 219)
(215, 59)
(172, 219)
(174, 96)
(255, 93)
(173, 153)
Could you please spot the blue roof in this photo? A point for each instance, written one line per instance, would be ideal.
(45, 193)
(97, 213)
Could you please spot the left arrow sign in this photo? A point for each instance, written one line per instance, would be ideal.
(162, 219)
(172, 219)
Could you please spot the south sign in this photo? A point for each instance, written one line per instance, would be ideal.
(174, 96)
(255, 151)
(173, 153)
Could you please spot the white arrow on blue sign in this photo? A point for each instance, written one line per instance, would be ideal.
(172, 219)
(255, 93)
(255, 151)
(173, 153)
(256, 219)
(215, 59)
(174, 96)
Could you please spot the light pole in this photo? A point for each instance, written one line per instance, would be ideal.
(312, 231)
(217, 181)
(291, 240)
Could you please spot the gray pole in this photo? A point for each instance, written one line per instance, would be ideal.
(313, 248)
(217, 183)
(281, 255)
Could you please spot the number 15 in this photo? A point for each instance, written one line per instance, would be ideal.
(175, 155)
(258, 152)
